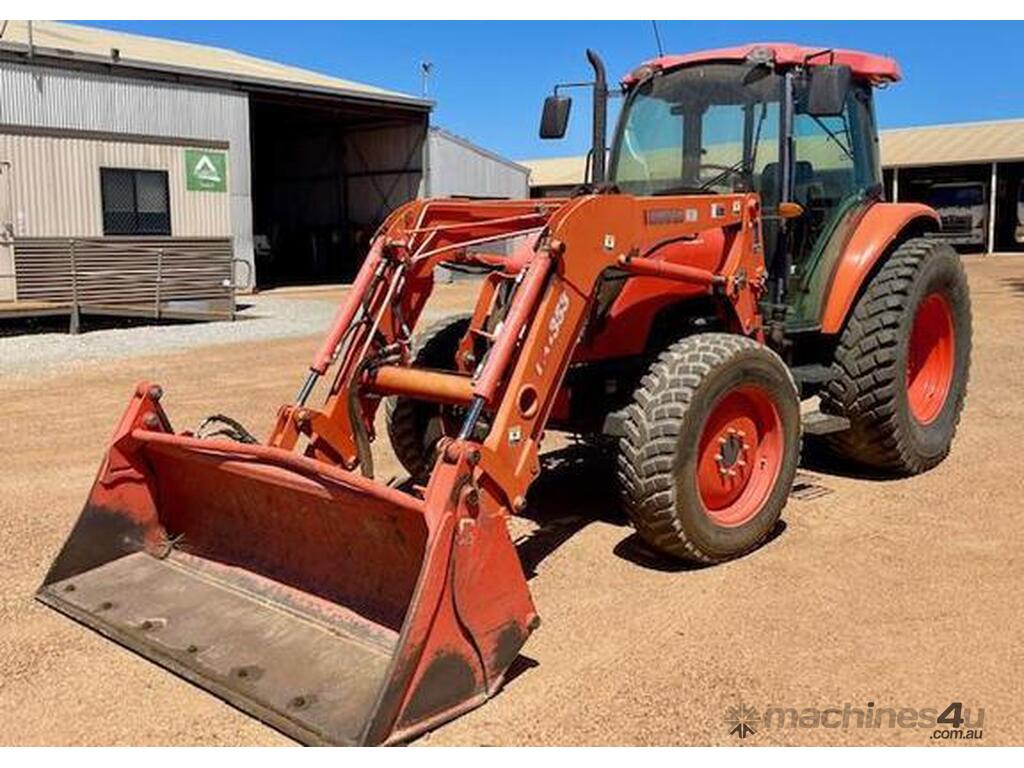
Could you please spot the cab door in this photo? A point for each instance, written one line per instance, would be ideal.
(836, 178)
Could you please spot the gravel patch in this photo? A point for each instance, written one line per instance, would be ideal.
(265, 318)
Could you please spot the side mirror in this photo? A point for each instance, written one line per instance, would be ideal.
(827, 90)
(555, 118)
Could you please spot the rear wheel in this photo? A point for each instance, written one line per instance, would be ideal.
(415, 426)
(903, 361)
(711, 446)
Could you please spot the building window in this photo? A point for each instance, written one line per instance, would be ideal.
(135, 202)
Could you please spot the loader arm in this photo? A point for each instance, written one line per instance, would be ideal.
(283, 577)
(555, 273)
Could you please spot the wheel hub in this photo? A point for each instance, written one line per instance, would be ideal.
(732, 453)
(739, 456)
(930, 358)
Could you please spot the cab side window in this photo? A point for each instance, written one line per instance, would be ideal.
(836, 164)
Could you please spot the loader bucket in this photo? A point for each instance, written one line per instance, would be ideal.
(336, 609)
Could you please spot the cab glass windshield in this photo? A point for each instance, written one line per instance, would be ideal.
(711, 128)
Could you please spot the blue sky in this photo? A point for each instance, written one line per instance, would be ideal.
(491, 77)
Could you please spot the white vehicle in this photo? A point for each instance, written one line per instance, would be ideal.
(961, 207)
(1019, 234)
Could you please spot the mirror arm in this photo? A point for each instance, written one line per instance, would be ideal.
(589, 84)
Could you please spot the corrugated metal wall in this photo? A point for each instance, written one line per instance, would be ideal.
(55, 186)
(457, 167)
(384, 169)
(64, 99)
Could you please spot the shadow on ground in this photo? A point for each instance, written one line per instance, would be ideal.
(576, 487)
(1015, 284)
(818, 457)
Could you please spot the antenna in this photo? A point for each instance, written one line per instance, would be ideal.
(657, 38)
(426, 69)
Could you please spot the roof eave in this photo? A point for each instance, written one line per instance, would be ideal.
(127, 66)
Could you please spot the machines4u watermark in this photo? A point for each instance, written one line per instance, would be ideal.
(954, 722)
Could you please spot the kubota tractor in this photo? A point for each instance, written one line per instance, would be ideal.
(736, 258)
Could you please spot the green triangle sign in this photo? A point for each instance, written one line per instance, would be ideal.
(205, 171)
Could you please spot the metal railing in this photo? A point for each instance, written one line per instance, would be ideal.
(142, 277)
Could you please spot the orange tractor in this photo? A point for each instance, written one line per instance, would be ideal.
(735, 258)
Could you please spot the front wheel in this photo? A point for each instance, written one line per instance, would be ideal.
(711, 446)
(903, 361)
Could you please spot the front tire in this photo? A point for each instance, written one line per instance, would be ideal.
(711, 447)
(903, 361)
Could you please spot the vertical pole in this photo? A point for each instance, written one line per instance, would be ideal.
(232, 292)
(896, 184)
(427, 190)
(75, 319)
(782, 258)
(159, 280)
(993, 189)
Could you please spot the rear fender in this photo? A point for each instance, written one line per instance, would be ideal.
(881, 227)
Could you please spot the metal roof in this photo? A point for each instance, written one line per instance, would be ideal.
(65, 43)
(953, 144)
(556, 171)
(958, 143)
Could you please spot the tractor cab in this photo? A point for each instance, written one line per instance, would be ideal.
(794, 124)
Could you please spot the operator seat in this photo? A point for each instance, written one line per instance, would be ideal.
(803, 181)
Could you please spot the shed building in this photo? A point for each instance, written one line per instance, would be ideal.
(139, 173)
(456, 167)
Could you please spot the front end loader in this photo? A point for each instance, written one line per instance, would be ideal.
(677, 308)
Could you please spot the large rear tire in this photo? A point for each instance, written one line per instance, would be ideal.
(415, 426)
(711, 446)
(903, 361)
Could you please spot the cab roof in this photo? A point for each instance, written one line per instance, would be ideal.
(865, 66)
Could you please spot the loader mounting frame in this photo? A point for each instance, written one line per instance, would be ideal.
(420, 589)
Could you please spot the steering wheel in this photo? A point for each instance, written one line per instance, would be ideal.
(724, 170)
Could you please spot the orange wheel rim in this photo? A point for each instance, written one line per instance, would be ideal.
(739, 456)
(930, 358)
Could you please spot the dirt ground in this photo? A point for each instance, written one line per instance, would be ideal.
(902, 593)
